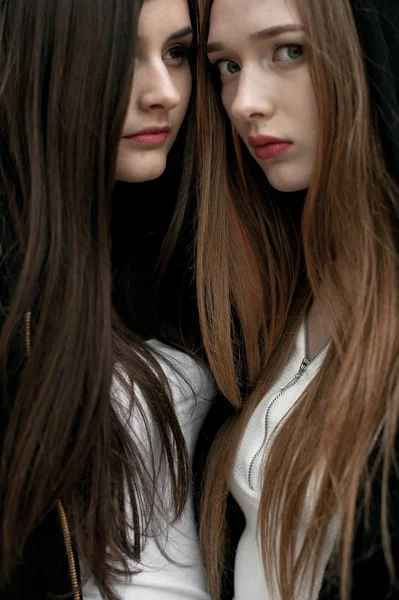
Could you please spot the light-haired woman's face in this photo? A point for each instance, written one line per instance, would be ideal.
(259, 48)
(161, 90)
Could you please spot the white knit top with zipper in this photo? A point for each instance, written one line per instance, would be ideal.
(245, 484)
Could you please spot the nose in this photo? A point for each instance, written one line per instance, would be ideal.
(253, 98)
(158, 90)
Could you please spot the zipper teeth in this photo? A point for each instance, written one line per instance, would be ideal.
(61, 512)
(68, 547)
(302, 368)
(27, 333)
(266, 428)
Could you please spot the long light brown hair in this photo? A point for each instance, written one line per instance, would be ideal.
(259, 262)
(66, 72)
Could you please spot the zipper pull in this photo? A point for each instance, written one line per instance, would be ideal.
(304, 365)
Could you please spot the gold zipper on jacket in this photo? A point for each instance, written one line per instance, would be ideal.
(68, 548)
(61, 511)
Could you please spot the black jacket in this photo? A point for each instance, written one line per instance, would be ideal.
(42, 571)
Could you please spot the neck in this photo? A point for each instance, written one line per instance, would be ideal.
(318, 331)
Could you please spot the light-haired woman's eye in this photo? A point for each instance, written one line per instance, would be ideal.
(288, 52)
(226, 68)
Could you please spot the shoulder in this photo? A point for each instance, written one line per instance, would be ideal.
(191, 386)
(186, 375)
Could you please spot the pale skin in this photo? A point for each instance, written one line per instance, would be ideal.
(161, 89)
(260, 49)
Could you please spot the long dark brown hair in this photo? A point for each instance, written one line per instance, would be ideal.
(152, 233)
(67, 68)
(259, 262)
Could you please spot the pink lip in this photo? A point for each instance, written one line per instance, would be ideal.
(268, 147)
(150, 136)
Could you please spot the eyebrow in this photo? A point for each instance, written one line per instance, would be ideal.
(181, 33)
(263, 34)
(177, 35)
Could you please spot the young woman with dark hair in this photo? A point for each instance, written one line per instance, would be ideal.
(97, 424)
(298, 286)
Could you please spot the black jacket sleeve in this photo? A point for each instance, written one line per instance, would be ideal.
(370, 574)
(42, 571)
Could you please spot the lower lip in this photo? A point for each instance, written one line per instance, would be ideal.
(271, 150)
(150, 139)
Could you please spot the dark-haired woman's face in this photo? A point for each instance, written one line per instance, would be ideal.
(161, 90)
(259, 48)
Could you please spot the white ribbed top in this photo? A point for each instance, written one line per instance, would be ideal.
(160, 579)
(249, 577)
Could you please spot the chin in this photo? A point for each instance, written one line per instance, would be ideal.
(283, 181)
(141, 177)
(139, 171)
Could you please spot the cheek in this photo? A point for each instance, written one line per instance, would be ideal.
(183, 84)
(307, 107)
(227, 97)
(134, 93)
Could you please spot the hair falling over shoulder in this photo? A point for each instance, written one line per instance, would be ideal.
(62, 108)
(258, 267)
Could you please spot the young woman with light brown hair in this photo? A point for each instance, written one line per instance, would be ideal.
(298, 285)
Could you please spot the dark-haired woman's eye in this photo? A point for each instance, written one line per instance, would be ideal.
(176, 54)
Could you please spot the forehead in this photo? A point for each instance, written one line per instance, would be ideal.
(236, 17)
(162, 16)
